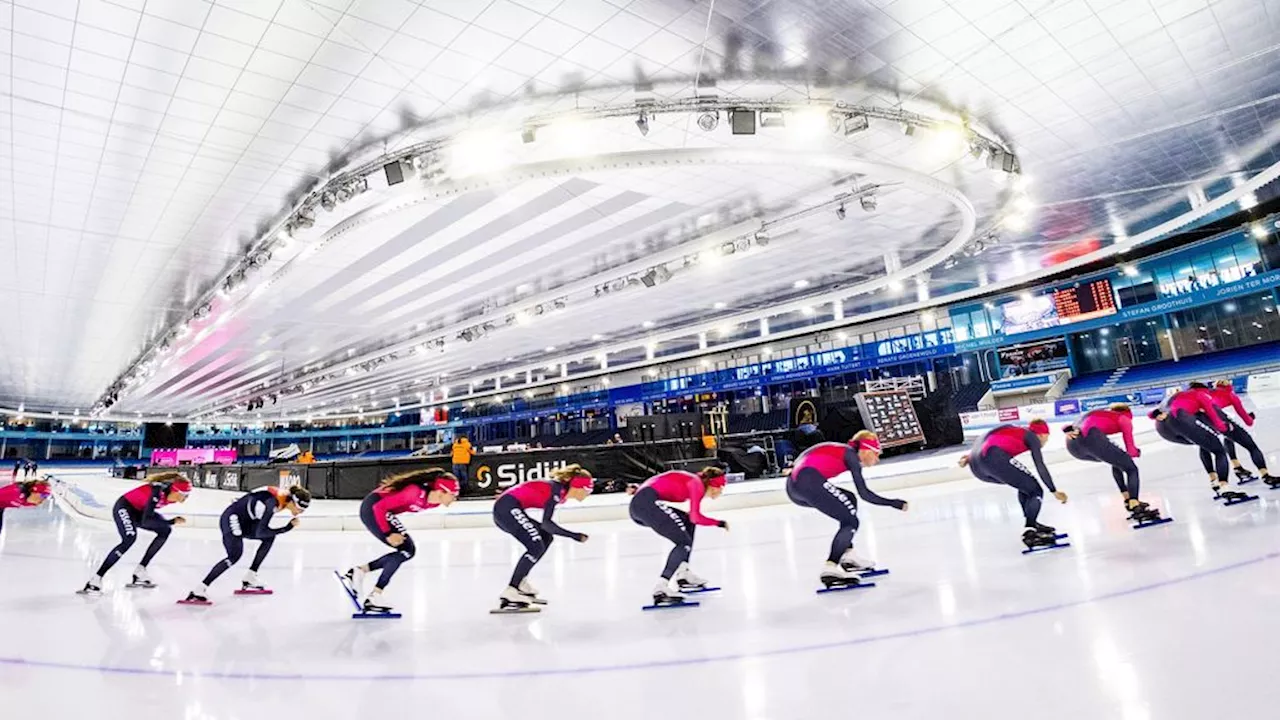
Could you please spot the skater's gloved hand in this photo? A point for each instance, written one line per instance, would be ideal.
(904, 506)
(964, 461)
(1253, 416)
(1137, 452)
(1061, 496)
(179, 521)
(632, 488)
(293, 522)
(395, 539)
(724, 524)
(582, 537)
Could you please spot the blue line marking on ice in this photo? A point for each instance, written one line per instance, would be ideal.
(628, 667)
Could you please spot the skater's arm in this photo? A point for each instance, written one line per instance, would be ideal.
(550, 525)
(264, 523)
(149, 510)
(696, 493)
(860, 483)
(1126, 431)
(1239, 408)
(1037, 456)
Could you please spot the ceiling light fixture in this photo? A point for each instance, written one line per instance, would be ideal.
(642, 124)
(840, 212)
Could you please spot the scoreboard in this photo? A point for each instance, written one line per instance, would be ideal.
(1082, 302)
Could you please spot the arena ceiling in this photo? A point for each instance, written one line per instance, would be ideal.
(199, 212)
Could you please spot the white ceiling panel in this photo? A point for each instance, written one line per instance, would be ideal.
(148, 145)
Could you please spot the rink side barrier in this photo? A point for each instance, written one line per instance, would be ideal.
(89, 496)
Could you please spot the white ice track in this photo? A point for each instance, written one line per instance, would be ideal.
(1177, 621)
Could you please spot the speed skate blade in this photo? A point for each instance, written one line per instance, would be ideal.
(133, 586)
(196, 603)
(255, 592)
(877, 572)
(695, 591)
(1246, 481)
(1237, 501)
(1040, 548)
(672, 606)
(1152, 523)
(842, 588)
(516, 611)
(375, 616)
(350, 593)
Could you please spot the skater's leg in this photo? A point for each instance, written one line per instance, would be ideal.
(233, 543)
(1122, 466)
(1012, 473)
(1, 519)
(1242, 436)
(1121, 484)
(667, 522)
(513, 520)
(391, 562)
(162, 532)
(833, 502)
(1206, 461)
(126, 519)
(1197, 430)
(264, 548)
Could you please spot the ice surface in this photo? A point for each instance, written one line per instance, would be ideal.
(1177, 621)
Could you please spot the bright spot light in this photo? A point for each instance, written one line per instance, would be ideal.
(569, 136)
(895, 285)
(948, 140)
(768, 351)
(842, 336)
(808, 124)
(1017, 223)
(1023, 204)
(1130, 271)
(720, 306)
(807, 310)
(724, 330)
(800, 284)
(478, 152)
(523, 318)
(1021, 183)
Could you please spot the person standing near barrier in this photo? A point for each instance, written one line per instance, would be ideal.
(510, 514)
(1224, 396)
(994, 460)
(462, 452)
(136, 510)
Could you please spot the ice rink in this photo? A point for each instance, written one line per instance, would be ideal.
(1176, 621)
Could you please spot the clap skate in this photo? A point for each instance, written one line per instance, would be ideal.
(513, 601)
(1243, 476)
(665, 597)
(1036, 541)
(835, 578)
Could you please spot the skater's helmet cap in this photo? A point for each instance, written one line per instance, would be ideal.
(301, 499)
(870, 442)
(42, 488)
(582, 481)
(447, 484)
(717, 481)
(182, 486)
(1039, 427)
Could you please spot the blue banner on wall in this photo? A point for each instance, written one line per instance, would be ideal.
(1265, 281)
(1018, 383)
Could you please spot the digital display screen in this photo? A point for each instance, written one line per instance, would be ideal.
(1035, 313)
(1090, 300)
